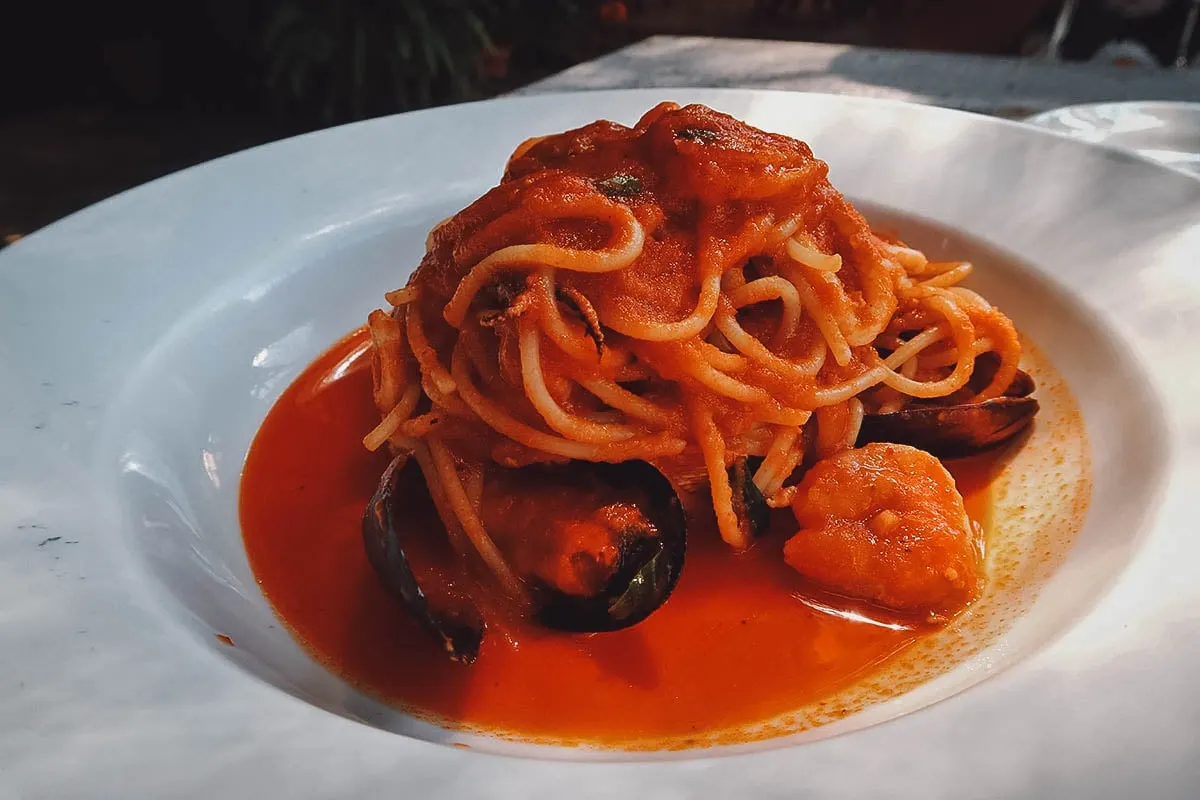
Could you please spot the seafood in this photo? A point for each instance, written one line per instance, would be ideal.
(607, 557)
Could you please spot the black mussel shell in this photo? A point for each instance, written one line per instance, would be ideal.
(457, 626)
(952, 431)
(986, 366)
(1022, 385)
(648, 564)
(749, 506)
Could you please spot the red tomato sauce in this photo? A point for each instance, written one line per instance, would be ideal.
(735, 644)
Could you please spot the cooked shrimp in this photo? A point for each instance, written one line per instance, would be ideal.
(885, 523)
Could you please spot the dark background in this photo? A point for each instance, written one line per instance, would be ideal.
(101, 96)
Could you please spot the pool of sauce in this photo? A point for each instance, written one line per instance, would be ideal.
(739, 641)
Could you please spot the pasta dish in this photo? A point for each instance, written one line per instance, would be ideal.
(643, 326)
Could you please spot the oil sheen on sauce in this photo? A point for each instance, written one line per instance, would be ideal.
(738, 642)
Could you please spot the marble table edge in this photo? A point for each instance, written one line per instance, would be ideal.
(1001, 86)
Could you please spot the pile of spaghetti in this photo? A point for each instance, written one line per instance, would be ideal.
(690, 291)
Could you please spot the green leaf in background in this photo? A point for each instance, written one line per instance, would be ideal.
(349, 59)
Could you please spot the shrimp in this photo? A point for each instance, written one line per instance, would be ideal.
(885, 523)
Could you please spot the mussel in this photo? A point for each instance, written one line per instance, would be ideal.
(949, 429)
(423, 582)
(749, 505)
(649, 545)
(583, 572)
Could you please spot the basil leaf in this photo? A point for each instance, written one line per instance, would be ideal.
(642, 590)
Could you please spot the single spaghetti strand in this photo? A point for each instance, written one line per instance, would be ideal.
(956, 274)
(719, 359)
(686, 328)
(811, 257)
(773, 287)
(391, 422)
(402, 297)
(712, 446)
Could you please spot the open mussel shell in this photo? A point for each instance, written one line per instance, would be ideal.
(456, 624)
(951, 428)
(952, 431)
(648, 565)
(960, 429)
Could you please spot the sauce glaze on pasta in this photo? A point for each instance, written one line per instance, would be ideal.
(687, 291)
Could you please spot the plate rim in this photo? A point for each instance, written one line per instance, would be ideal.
(1047, 121)
(64, 228)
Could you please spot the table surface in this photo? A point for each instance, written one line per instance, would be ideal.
(1008, 87)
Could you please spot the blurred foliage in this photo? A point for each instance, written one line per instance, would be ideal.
(339, 60)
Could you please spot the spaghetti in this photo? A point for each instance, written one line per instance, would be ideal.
(690, 291)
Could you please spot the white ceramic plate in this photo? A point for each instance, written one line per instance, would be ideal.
(1168, 133)
(143, 340)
